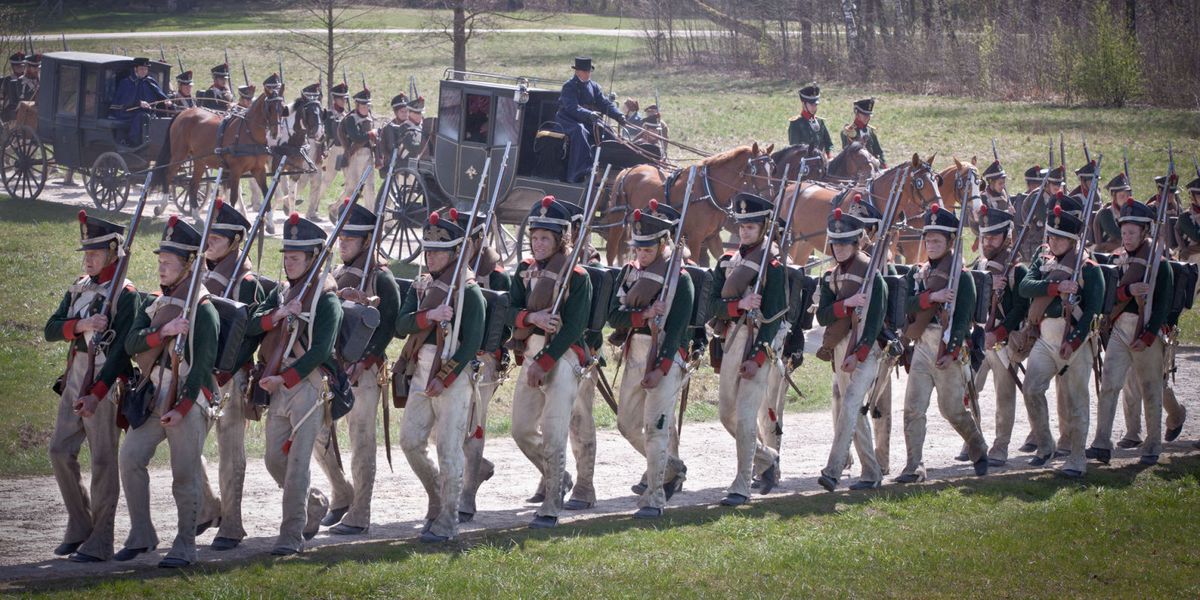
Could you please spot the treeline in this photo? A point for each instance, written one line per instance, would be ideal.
(1101, 52)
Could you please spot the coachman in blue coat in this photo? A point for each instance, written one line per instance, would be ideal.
(580, 105)
(133, 99)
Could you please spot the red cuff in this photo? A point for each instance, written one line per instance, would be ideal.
(1001, 333)
(759, 357)
(1052, 289)
(545, 361)
(448, 380)
(664, 365)
(154, 340)
(290, 378)
(862, 352)
(1148, 338)
(184, 406)
(1075, 343)
(266, 322)
(423, 320)
(521, 322)
(68, 329)
(638, 319)
(1123, 293)
(100, 390)
(731, 308)
(839, 309)
(925, 301)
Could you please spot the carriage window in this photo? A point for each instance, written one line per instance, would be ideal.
(90, 86)
(449, 112)
(477, 125)
(68, 90)
(506, 121)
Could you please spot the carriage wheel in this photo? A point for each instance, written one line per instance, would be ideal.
(179, 189)
(108, 181)
(505, 243)
(23, 164)
(406, 214)
(519, 242)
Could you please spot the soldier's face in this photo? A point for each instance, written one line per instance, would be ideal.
(749, 233)
(1053, 188)
(415, 117)
(185, 89)
(437, 260)
(31, 71)
(646, 256)
(542, 244)
(993, 242)
(862, 117)
(218, 246)
(18, 70)
(935, 245)
(810, 107)
(1119, 199)
(401, 114)
(1195, 200)
(997, 185)
(295, 264)
(94, 261)
(349, 247)
(362, 108)
(170, 269)
(219, 82)
(1132, 235)
(1061, 245)
(842, 251)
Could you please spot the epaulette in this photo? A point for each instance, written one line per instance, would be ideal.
(795, 118)
(129, 287)
(579, 270)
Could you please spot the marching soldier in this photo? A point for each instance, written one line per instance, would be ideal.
(229, 231)
(1010, 308)
(1134, 343)
(181, 98)
(11, 87)
(843, 296)
(218, 96)
(399, 133)
(633, 116)
(350, 506)
(1172, 195)
(547, 344)
(1060, 348)
(1086, 175)
(748, 342)
(1106, 232)
(87, 410)
(442, 395)
(581, 105)
(331, 150)
(307, 327)
(807, 128)
(134, 101)
(995, 180)
(180, 419)
(1032, 244)
(933, 368)
(654, 373)
(492, 371)
(861, 131)
(1187, 228)
(356, 135)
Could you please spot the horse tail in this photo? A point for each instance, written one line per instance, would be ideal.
(162, 161)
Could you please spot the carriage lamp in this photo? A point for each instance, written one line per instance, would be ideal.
(521, 96)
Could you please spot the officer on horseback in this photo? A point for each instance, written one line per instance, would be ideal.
(217, 96)
(580, 106)
(182, 96)
(134, 98)
(860, 131)
(806, 127)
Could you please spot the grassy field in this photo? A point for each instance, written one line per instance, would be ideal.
(705, 108)
(1128, 532)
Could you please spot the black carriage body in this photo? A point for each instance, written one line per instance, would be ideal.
(76, 91)
(477, 116)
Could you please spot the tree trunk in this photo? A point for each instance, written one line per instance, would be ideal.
(1131, 16)
(729, 22)
(460, 39)
(329, 50)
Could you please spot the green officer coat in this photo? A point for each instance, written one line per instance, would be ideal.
(867, 136)
(811, 132)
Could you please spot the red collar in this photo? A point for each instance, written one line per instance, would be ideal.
(807, 115)
(106, 274)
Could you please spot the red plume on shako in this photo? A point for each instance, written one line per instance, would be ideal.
(453, 214)
(837, 214)
(294, 218)
(1058, 210)
(983, 210)
(547, 201)
(653, 205)
(933, 208)
(83, 216)
(858, 197)
(434, 218)
(220, 203)
(637, 214)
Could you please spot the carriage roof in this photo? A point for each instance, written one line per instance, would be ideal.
(95, 58)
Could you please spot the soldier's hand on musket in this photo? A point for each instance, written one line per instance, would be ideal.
(175, 326)
(545, 321)
(1139, 289)
(989, 339)
(353, 294)
(750, 302)
(748, 369)
(1138, 345)
(850, 363)
(855, 301)
(172, 418)
(998, 284)
(85, 406)
(271, 384)
(287, 310)
(440, 313)
(535, 376)
(652, 378)
(434, 388)
(1066, 350)
(943, 296)
(945, 360)
(92, 323)
(1069, 286)
(658, 309)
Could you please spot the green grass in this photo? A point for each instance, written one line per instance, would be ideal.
(1125, 533)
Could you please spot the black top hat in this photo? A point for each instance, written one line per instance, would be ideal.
(583, 63)
(179, 239)
(649, 228)
(360, 223)
(811, 93)
(1035, 174)
(399, 101)
(98, 234)
(751, 208)
(994, 220)
(442, 234)
(940, 220)
(311, 91)
(843, 227)
(340, 91)
(246, 91)
(418, 105)
(221, 70)
(229, 222)
(141, 61)
(273, 83)
(1136, 212)
(184, 78)
(363, 97)
(18, 58)
(1062, 223)
(550, 215)
(1087, 171)
(864, 211)
(302, 235)
(463, 218)
(865, 106)
(994, 171)
(663, 210)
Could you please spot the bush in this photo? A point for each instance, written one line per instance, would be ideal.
(1109, 67)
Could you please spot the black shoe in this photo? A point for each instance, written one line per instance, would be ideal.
(963, 456)
(221, 544)
(755, 483)
(997, 462)
(1148, 460)
(427, 526)
(66, 549)
(1128, 444)
(80, 557)
(537, 498)
(1173, 433)
(540, 522)
(577, 504)
(864, 485)
(1098, 454)
(1069, 473)
(430, 537)
(344, 529)
(734, 500)
(125, 554)
(639, 488)
(909, 478)
(648, 512)
(465, 517)
(171, 562)
(1039, 461)
(284, 551)
(1062, 453)
(675, 485)
(827, 482)
(334, 516)
(770, 478)
(1027, 447)
(981, 467)
(308, 535)
(201, 528)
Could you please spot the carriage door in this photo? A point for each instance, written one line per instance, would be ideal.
(506, 128)
(477, 131)
(66, 114)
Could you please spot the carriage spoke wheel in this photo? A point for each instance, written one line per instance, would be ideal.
(23, 164)
(505, 243)
(108, 181)
(405, 216)
(179, 188)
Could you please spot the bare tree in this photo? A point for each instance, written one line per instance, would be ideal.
(460, 21)
(330, 16)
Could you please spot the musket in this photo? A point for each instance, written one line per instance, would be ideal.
(666, 294)
(1125, 165)
(264, 212)
(1050, 165)
(1153, 260)
(162, 56)
(1089, 210)
(491, 212)
(281, 79)
(101, 341)
(996, 156)
(1087, 156)
(580, 241)
(245, 75)
(179, 60)
(956, 265)
(879, 257)
(768, 236)
(412, 87)
(226, 57)
(447, 347)
(64, 41)
(1062, 151)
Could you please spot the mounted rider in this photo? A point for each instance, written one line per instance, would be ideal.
(580, 107)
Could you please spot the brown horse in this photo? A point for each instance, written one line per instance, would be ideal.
(816, 200)
(242, 147)
(853, 164)
(718, 179)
